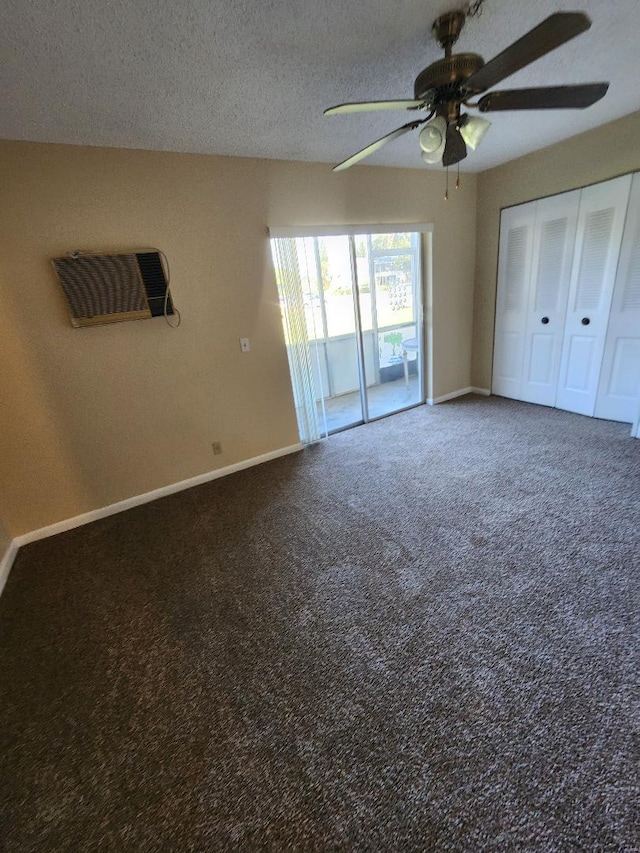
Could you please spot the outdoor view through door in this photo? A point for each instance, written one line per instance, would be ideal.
(352, 315)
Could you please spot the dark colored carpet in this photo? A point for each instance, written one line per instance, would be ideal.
(420, 635)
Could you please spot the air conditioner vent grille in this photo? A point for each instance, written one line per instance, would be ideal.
(109, 288)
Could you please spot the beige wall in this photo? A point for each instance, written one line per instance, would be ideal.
(5, 540)
(92, 416)
(602, 153)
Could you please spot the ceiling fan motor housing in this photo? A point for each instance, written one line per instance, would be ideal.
(446, 77)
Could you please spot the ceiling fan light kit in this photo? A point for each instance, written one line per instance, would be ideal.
(446, 85)
(432, 138)
(473, 129)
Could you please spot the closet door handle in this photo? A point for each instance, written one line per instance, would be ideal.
(544, 321)
(585, 321)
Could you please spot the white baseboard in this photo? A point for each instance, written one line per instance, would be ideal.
(129, 503)
(6, 562)
(432, 401)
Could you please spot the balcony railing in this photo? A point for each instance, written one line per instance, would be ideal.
(336, 359)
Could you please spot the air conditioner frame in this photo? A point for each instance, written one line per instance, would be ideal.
(111, 287)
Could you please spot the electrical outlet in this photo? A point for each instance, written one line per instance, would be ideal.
(216, 446)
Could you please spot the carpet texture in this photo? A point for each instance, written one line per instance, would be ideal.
(422, 634)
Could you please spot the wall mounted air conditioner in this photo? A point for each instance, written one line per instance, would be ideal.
(111, 288)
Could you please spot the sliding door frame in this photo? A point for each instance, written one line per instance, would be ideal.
(424, 294)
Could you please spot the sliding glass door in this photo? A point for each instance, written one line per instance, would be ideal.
(360, 307)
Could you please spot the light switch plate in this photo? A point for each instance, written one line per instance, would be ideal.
(244, 344)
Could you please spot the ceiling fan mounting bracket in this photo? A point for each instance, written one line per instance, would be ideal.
(447, 28)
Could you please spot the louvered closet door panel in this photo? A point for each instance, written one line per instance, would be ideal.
(553, 244)
(619, 389)
(514, 271)
(600, 223)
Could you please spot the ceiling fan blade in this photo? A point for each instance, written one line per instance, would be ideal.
(370, 106)
(544, 98)
(375, 146)
(455, 148)
(551, 33)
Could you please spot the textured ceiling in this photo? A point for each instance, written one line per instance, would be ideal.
(251, 77)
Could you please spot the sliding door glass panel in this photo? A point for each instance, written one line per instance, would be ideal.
(389, 285)
(342, 401)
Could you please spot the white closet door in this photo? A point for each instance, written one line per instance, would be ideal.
(600, 223)
(553, 244)
(619, 390)
(514, 270)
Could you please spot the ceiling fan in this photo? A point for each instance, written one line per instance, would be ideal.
(445, 86)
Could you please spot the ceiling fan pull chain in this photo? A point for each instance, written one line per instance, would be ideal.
(458, 177)
(446, 189)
